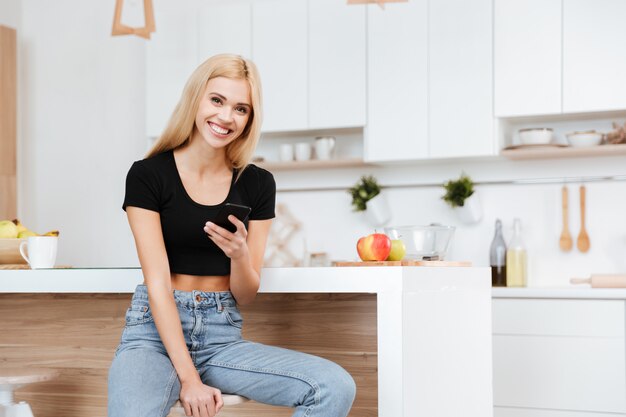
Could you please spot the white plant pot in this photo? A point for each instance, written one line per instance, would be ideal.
(378, 212)
(472, 211)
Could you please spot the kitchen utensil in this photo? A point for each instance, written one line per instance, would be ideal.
(40, 251)
(583, 238)
(285, 152)
(602, 280)
(10, 251)
(303, 151)
(535, 136)
(584, 139)
(324, 147)
(423, 241)
(565, 242)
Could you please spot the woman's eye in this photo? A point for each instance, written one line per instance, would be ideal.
(242, 110)
(216, 100)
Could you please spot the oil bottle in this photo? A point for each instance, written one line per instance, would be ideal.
(516, 260)
(497, 258)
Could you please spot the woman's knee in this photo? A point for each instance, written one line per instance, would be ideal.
(337, 386)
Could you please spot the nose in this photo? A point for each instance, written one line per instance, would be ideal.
(226, 114)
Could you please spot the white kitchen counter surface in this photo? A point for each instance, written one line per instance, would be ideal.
(578, 292)
(273, 280)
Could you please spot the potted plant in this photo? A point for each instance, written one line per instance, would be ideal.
(461, 196)
(366, 196)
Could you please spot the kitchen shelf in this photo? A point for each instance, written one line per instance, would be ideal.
(544, 152)
(312, 164)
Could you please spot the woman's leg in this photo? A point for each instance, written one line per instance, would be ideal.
(142, 383)
(316, 387)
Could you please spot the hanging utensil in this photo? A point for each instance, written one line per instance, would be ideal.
(565, 242)
(583, 238)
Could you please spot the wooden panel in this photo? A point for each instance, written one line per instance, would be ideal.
(8, 122)
(77, 334)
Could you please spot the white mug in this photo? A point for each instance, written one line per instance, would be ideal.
(286, 152)
(42, 251)
(303, 151)
(324, 146)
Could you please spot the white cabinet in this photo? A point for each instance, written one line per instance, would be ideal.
(170, 59)
(397, 85)
(594, 41)
(336, 64)
(224, 27)
(559, 355)
(527, 57)
(279, 49)
(460, 78)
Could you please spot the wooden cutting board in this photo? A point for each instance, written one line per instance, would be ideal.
(25, 266)
(402, 263)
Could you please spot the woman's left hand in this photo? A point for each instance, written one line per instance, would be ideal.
(233, 244)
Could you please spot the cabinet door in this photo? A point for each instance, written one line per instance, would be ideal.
(279, 48)
(224, 27)
(527, 57)
(594, 63)
(397, 101)
(460, 78)
(336, 64)
(170, 60)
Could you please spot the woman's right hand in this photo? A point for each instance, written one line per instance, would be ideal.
(200, 400)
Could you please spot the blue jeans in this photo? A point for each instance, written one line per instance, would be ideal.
(144, 383)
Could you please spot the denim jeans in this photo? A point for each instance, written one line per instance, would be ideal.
(144, 383)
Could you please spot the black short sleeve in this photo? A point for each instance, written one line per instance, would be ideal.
(266, 199)
(142, 188)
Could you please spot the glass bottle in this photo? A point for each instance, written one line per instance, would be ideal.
(497, 258)
(516, 261)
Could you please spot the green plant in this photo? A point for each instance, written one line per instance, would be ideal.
(363, 191)
(458, 191)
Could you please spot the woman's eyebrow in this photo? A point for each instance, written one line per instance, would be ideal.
(225, 99)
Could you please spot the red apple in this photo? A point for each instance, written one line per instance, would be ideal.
(374, 247)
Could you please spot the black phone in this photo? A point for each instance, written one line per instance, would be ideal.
(237, 210)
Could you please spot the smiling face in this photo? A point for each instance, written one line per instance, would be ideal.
(223, 112)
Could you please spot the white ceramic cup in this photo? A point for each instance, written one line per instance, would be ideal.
(285, 152)
(303, 151)
(324, 146)
(42, 251)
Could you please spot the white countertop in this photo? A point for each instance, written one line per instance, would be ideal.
(285, 280)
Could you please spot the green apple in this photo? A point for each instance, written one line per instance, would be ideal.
(398, 250)
(8, 229)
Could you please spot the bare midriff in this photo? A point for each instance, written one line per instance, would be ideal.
(206, 283)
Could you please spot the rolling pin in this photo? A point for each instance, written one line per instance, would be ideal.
(602, 280)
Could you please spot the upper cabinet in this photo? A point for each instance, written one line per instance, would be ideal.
(460, 78)
(594, 41)
(337, 64)
(397, 87)
(430, 89)
(559, 56)
(527, 57)
(279, 49)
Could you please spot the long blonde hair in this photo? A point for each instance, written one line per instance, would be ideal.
(181, 124)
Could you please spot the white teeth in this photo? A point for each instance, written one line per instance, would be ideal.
(218, 129)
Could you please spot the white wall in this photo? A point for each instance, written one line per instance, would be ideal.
(81, 125)
(82, 101)
(10, 13)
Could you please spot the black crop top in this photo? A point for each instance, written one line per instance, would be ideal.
(155, 184)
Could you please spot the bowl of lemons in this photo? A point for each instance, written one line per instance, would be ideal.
(12, 234)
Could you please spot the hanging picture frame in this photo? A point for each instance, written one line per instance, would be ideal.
(121, 29)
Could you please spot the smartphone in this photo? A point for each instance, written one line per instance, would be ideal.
(237, 210)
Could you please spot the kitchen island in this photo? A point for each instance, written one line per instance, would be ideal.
(416, 339)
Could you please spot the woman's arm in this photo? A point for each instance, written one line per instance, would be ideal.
(146, 228)
(245, 250)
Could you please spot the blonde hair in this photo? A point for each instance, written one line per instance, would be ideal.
(181, 124)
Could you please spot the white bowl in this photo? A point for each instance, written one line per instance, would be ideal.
(584, 139)
(535, 136)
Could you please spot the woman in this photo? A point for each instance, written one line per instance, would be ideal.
(182, 338)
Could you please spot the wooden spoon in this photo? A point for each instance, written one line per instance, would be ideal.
(565, 242)
(583, 238)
